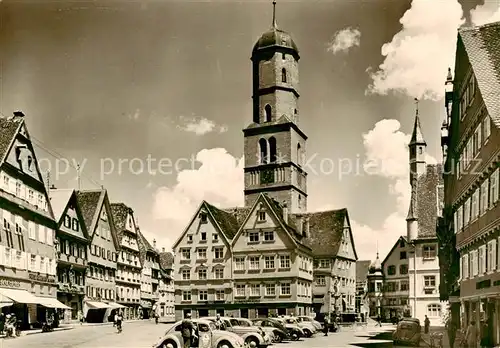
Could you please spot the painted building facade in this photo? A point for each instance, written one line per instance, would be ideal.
(100, 287)
(128, 277)
(72, 246)
(472, 156)
(362, 302)
(27, 231)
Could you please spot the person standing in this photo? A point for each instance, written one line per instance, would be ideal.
(218, 322)
(427, 324)
(472, 335)
(80, 317)
(187, 331)
(379, 320)
(484, 334)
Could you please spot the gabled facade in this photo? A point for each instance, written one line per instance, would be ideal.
(150, 274)
(362, 302)
(330, 238)
(72, 246)
(128, 277)
(100, 287)
(272, 267)
(203, 279)
(395, 268)
(375, 295)
(471, 147)
(27, 230)
(165, 306)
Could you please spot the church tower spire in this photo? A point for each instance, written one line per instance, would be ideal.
(417, 147)
(274, 143)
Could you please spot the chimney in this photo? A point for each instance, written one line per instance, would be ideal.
(162, 250)
(154, 244)
(285, 213)
(18, 115)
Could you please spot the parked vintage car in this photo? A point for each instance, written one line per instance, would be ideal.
(277, 335)
(294, 330)
(208, 337)
(253, 336)
(408, 332)
(317, 325)
(308, 328)
(281, 333)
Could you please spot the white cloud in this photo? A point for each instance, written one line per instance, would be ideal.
(200, 126)
(218, 180)
(417, 58)
(487, 13)
(135, 116)
(386, 150)
(344, 40)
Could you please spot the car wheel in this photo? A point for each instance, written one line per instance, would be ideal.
(224, 344)
(295, 336)
(307, 333)
(278, 337)
(251, 342)
(169, 344)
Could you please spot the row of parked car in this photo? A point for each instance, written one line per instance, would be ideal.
(241, 332)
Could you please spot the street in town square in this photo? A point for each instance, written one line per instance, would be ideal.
(142, 334)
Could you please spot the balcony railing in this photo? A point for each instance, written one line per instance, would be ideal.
(71, 288)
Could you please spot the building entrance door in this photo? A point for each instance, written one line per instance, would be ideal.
(202, 313)
(262, 312)
(244, 312)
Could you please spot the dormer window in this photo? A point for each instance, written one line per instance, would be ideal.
(67, 221)
(75, 225)
(30, 162)
(203, 218)
(261, 216)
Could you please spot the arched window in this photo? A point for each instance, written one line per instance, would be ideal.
(295, 112)
(272, 149)
(267, 110)
(283, 75)
(263, 151)
(299, 155)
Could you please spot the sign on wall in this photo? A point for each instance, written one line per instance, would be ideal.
(8, 283)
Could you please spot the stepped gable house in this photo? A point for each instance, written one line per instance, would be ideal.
(257, 260)
(99, 303)
(72, 244)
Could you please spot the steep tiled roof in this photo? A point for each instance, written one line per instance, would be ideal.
(120, 212)
(59, 199)
(416, 136)
(8, 130)
(482, 45)
(227, 220)
(89, 204)
(166, 260)
(144, 246)
(429, 196)
(362, 270)
(325, 231)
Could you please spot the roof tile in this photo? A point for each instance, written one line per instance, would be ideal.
(8, 130)
(482, 45)
(166, 260)
(89, 203)
(429, 198)
(362, 268)
(120, 212)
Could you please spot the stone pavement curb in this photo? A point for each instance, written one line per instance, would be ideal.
(39, 331)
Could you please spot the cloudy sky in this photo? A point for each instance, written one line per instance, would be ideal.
(150, 98)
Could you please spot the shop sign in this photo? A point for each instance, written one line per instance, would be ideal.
(8, 283)
(41, 277)
(248, 300)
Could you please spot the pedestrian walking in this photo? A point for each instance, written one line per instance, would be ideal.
(471, 337)
(451, 328)
(187, 331)
(427, 324)
(326, 325)
(379, 320)
(80, 317)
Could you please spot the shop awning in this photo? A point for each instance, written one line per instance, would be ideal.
(146, 305)
(52, 303)
(97, 305)
(115, 305)
(19, 296)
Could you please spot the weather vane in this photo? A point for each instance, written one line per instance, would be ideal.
(416, 106)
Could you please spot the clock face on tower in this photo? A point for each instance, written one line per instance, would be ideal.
(267, 176)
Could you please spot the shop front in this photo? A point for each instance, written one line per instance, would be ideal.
(16, 298)
(146, 310)
(95, 311)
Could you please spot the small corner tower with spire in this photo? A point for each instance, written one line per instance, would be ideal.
(274, 145)
(417, 147)
(448, 104)
(411, 218)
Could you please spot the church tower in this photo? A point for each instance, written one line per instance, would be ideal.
(417, 147)
(274, 145)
